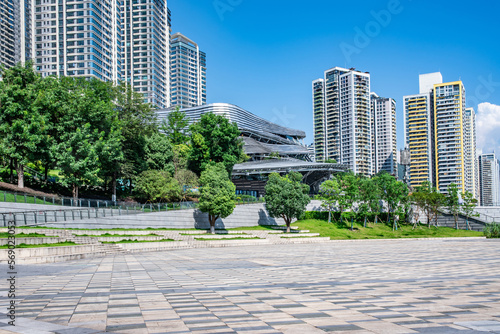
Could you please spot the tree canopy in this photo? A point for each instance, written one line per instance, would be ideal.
(286, 197)
(214, 140)
(218, 193)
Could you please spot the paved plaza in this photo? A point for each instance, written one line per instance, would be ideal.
(379, 286)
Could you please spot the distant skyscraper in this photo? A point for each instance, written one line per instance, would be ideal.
(449, 110)
(427, 81)
(188, 73)
(419, 130)
(470, 157)
(146, 61)
(489, 179)
(384, 134)
(9, 9)
(346, 119)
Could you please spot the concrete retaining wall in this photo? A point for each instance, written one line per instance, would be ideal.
(243, 215)
(33, 241)
(51, 251)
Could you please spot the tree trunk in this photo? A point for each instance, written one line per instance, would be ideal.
(212, 219)
(365, 222)
(456, 222)
(329, 216)
(11, 170)
(287, 221)
(75, 191)
(20, 175)
(113, 198)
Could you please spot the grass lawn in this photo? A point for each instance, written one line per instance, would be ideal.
(337, 231)
(24, 235)
(111, 229)
(6, 197)
(253, 228)
(59, 244)
(236, 238)
(135, 241)
(116, 235)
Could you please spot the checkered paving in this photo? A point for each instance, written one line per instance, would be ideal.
(393, 286)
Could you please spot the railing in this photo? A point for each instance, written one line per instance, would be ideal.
(87, 209)
(40, 217)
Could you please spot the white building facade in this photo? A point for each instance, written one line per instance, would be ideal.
(384, 134)
(188, 73)
(489, 179)
(342, 119)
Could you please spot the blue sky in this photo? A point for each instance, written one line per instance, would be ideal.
(263, 55)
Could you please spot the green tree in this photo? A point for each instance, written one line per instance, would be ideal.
(349, 192)
(214, 139)
(369, 196)
(23, 126)
(331, 161)
(286, 197)
(186, 179)
(435, 201)
(468, 207)
(157, 186)
(329, 192)
(86, 131)
(418, 199)
(158, 153)
(176, 127)
(138, 121)
(453, 202)
(218, 193)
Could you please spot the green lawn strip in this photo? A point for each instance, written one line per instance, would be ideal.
(236, 238)
(8, 197)
(337, 231)
(300, 236)
(24, 235)
(112, 229)
(254, 228)
(59, 244)
(129, 241)
(116, 235)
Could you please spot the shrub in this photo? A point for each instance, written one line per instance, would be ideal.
(492, 230)
(157, 186)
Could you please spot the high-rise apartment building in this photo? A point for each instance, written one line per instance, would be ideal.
(470, 157)
(346, 120)
(449, 109)
(110, 40)
(318, 87)
(419, 130)
(384, 147)
(77, 38)
(9, 9)
(489, 179)
(146, 49)
(188, 72)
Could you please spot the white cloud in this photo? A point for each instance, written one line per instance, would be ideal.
(488, 128)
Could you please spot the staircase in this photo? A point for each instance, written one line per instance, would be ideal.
(82, 240)
(447, 220)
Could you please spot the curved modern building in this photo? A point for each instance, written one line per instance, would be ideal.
(261, 137)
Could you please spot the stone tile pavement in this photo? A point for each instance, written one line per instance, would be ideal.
(393, 286)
